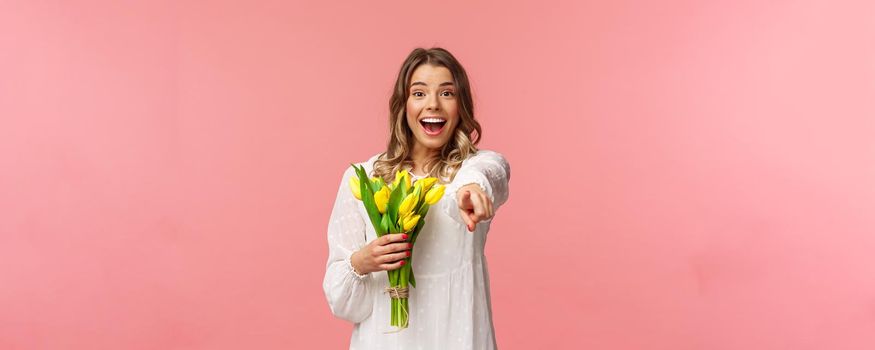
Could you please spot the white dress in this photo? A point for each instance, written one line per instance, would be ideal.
(450, 307)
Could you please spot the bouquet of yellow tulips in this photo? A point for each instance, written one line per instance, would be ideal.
(399, 207)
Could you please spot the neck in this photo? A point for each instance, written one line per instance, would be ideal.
(420, 155)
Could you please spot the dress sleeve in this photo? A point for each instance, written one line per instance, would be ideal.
(488, 169)
(347, 292)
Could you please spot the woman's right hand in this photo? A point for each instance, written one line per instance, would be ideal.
(384, 253)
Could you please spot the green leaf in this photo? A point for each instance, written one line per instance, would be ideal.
(394, 201)
(419, 203)
(368, 199)
(375, 186)
(413, 236)
(412, 279)
(384, 223)
(404, 189)
(415, 233)
(423, 209)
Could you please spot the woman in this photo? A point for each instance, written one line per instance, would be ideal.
(431, 123)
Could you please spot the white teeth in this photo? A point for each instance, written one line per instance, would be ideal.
(434, 120)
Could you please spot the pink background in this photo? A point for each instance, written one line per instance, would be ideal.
(686, 175)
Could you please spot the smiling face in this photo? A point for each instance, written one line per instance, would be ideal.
(432, 107)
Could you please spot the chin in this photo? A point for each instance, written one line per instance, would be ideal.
(433, 144)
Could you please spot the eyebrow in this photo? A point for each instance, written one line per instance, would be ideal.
(424, 84)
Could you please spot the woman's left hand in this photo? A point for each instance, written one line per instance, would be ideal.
(474, 205)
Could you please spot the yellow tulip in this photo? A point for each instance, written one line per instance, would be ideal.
(356, 188)
(401, 176)
(427, 183)
(408, 222)
(398, 175)
(407, 204)
(417, 188)
(381, 199)
(434, 194)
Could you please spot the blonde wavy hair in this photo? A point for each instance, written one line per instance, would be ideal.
(461, 145)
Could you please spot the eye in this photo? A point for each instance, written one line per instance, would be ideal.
(418, 94)
(448, 93)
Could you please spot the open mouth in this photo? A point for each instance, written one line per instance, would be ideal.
(433, 126)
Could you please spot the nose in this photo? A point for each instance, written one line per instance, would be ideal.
(433, 103)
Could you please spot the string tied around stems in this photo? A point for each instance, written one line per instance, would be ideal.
(398, 293)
